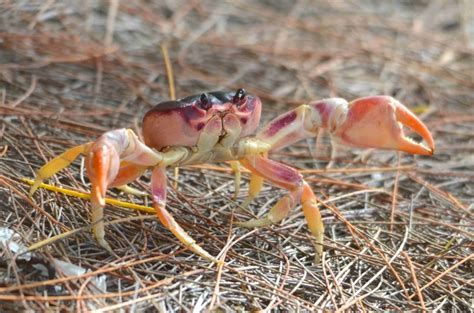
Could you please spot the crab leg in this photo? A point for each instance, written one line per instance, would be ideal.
(127, 173)
(282, 176)
(300, 192)
(158, 190)
(206, 142)
(371, 122)
(235, 165)
(55, 165)
(103, 160)
(313, 218)
(103, 166)
(255, 186)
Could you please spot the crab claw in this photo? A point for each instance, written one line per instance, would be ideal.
(376, 122)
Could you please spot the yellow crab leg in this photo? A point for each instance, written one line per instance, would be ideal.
(55, 165)
(255, 186)
(235, 165)
(313, 218)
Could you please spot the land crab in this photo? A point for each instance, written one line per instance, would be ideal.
(220, 126)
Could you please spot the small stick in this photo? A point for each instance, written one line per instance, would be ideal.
(169, 74)
(169, 71)
(415, 280)
(444, 273)
(87, 196)
(394, 195)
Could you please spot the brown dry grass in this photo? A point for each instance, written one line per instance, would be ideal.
(70, 72)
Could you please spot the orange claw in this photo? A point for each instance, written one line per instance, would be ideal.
(376, 122)
(407, 118)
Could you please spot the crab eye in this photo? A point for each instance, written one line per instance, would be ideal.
(204, 102)
(239, 97)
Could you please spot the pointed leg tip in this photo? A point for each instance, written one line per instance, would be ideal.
(318, 253)
(193, 246)
(104, 244)
(214, 260)
(210, 258)
(317, 258)
(246, 203)
(34, 188)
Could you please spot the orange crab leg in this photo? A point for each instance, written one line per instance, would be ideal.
(127, 173)
(158, 190)
(300, 192)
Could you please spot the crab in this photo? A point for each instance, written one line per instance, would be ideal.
(221, 126)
